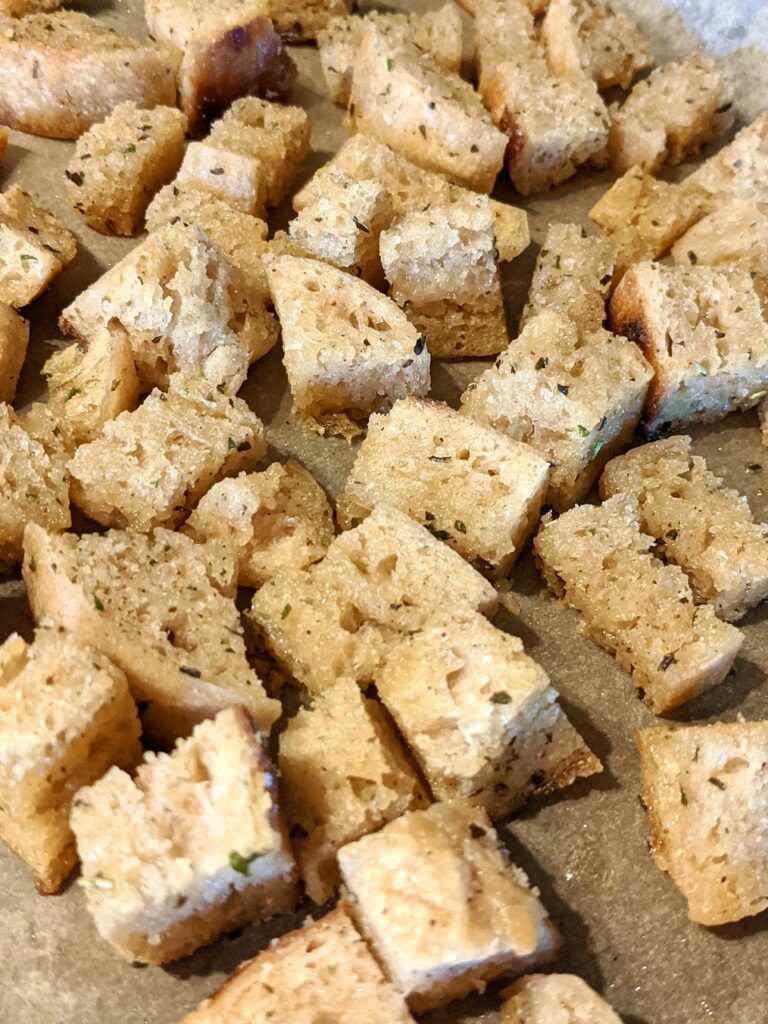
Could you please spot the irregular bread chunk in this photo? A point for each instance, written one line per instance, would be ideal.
(504, 32)
(34, 248)
(740, 169)
(736, 233)
(14, 339)
(554, 999)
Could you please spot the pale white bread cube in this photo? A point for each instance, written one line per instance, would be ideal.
(62, 72)
(34, 248)
(304, 21)
(445, 912)
(185, 307)
(66, 716)
(699, 524)
(576, 400)
(323, 969)
(738, 170)
(14, 339)
(734, 234)
(346, 347)
(554, 999)
(638, 608)
(480, 716)
(704, 333)
(380, 580)
(403, 98)
(120, 163)
(234, 177)
(582, 37)
(161, 608)
(224, 50)
(277, 519)
(192, 847)
(470, 485)
(706, 793)
(504, 32)
(343, 774)
(670, 115)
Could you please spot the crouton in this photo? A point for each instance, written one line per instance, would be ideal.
(14, 338)
(343, 775)
(576, 400)
(66, 717)
(546, 998)
(62, 72)
(223, 173)
(305, 21)
(35, 248)
(338, 978)
(469, 485)
(429, 116)
(346, 348)
(277, 519)
(129, 157)
(185, 308)
(377, 582)
(705, 528)
(735, 234)
(504, 32)
(703, 331)
(192, 847)
(739, 170)
(154, 605)
(224, 50)
(442, 907)
(669, 115)
(639, 609)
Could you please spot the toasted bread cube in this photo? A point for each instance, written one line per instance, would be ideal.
(739, 170)
(339, 978)
(277, 519)
(705, 335)
(403, 98)
(480, 716)
(192, 847)
(14, 339)
(223, 173)
(546, 998)
(669, 115)
(34, 248)
(443, 909)
(735, 234)
(346, 347)
(585, 38)
(344, 774)
(576, 400)
(377, 582)
(160, 607)
(504, 32)
(705, 528)
(67, 716)
(469, 485)
(639, 609)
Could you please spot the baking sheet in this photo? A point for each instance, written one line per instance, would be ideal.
(623, 922)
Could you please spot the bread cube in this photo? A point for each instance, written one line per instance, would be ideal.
(738, 170)
(161, 608)
(34, 248)
(66, 717)
(705, 528)
(14, 339)
(341, 617)
(343, 774)
(443, 909)
(705, 790)
(277, 519)
(735, 234)
(304, 21)
(670, 114)
(223, 173)
(546, 998)
(193, 847)
(346, 348)
(338, 978)
(576, 400)
(504, 32)
(431, 117)
(705, 335)
(639, 609)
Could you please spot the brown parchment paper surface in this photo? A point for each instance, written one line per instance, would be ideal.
(623, 922)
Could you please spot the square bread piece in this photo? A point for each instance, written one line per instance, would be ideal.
(343, 774)
(504, 32)
(642, 611)
(554, 999)
(161, 608)
(738, 170)
(706, 791)
(705, 528)
(705, 334)
(66, 716)
(471, 486)
(34, 248)
(193, 846)
(378, 581)
(576, 400)
(443, 909)
(736, 233)
(339, 981)
(150, 466)
(14, 339)
(119, 164)
(221, 172)
(480, 716)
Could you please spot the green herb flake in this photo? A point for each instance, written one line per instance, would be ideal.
(563, 389)
(583, 431)
(701, 369)
(592, 530)
(130, 148)
(716, 782)
(231, 444)
(390, 63)
(683, 797)
(71, 393)
(75, 177)
(597, 447)
(360, 226)
(240, 863)
(666, 661)
(460, 526)
(97, 604)
(501, 697)
(754, 467)
(476, 832)
(26, 257)
(757, 395)
(672, 534)
(541, 363)
(423, 130)
(285, 612)
(187, 670)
